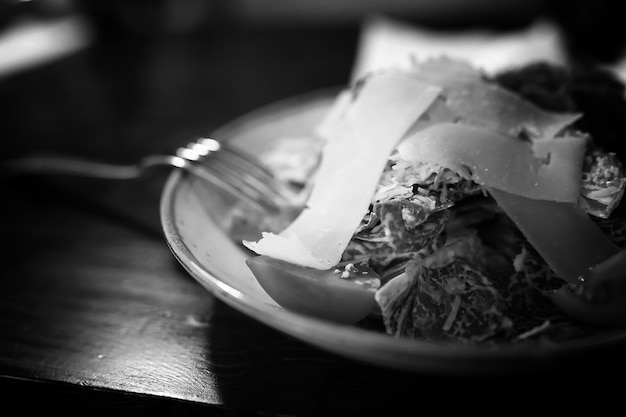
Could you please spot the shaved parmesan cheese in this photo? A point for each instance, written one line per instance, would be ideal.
(478, 102)
(547, 170)
(359, 140)
(562, 233)
(493, 107)
(336, 113)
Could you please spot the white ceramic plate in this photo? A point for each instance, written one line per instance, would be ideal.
(191, 213)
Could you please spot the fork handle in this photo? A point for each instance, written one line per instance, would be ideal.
(43, 165)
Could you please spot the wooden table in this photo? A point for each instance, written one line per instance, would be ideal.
(96, 315)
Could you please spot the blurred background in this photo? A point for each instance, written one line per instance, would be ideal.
(96, 75)
(157, 66)
(52, 28)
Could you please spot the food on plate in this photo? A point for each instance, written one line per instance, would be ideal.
(477, 203)
(344, 295)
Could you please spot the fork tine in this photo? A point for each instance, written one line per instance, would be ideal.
(249, 176)
(256, 175)
(248, 163)
(232, 185)
(236, 172)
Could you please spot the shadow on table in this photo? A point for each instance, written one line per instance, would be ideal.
(272, 372)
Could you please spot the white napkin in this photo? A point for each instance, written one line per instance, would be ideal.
(387, 42)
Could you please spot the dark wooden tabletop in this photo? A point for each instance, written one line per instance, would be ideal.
(95, 312)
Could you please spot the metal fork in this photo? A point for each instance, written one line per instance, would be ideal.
(216, 162)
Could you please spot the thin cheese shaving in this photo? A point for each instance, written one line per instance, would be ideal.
(503, 162)
(358, 145)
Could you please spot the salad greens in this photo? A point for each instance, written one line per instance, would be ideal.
(422, 178)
